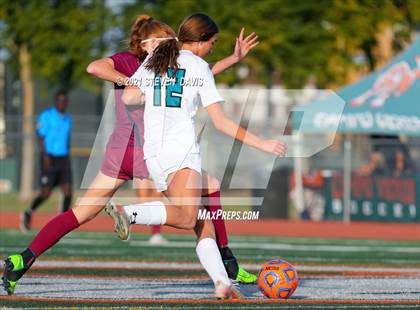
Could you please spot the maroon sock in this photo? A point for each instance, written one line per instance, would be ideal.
(53, 231)
(156, 229)
(219, 224)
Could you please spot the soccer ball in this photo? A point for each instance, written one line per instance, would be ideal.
(277, 279)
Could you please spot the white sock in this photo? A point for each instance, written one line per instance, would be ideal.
(210, 258)
(148, 213)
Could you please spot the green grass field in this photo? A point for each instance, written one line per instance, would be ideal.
(248, 249)
(102, 260)
(84, 268)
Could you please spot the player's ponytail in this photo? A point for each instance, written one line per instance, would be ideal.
(137, 35)
(164, 56)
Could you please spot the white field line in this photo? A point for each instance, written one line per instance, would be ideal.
(197, 266)
(339, 288)
(268, 306)
(259, 246)
(116, 252)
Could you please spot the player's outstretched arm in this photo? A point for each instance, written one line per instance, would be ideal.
(242, 47)
(104, 69)
(230, 128)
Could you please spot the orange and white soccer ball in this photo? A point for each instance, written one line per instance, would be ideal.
(277, 279)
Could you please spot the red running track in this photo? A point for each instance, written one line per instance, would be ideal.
(277, 228)
(280, 228)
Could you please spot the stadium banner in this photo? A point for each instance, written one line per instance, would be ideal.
(375, 198)
(384, 102)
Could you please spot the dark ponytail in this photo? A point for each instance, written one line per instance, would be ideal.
(164, 56)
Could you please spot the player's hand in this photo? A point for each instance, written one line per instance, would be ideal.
(274, 147)
(132, 95)
(243, 46)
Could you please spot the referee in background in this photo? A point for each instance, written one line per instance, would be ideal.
(53, 133)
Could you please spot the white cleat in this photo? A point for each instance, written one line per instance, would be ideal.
(158, 239)
(224, 291)
(121, 220)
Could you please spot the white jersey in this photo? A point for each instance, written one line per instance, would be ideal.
(172, 102)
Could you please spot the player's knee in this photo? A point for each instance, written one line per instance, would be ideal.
(190, 222)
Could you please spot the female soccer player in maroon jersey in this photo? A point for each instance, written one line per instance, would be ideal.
(119, 162)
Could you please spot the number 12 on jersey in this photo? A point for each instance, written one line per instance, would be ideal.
(174, 89)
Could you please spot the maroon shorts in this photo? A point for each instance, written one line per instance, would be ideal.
(125, 164)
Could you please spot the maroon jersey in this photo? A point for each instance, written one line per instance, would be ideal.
(129, 127)
(124, 158)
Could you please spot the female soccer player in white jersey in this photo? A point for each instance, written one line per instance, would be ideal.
(121, 163)
(172, 83)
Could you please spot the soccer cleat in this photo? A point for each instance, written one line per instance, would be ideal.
(25, 221)
(245, 277)
(233, 270)
(14, 269)
(121, 220)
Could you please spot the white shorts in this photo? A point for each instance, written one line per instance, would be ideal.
(162, 165)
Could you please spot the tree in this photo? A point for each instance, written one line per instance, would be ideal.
(300, 40)
(53, 40)
(355, 26)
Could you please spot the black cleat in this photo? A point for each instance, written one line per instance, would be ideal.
(13, 271)
(15, 267)
(234, 271)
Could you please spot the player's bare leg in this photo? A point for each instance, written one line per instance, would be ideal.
(182, 210)
(184, 192)
(211, 194)
(89, 206)
(96, 197)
